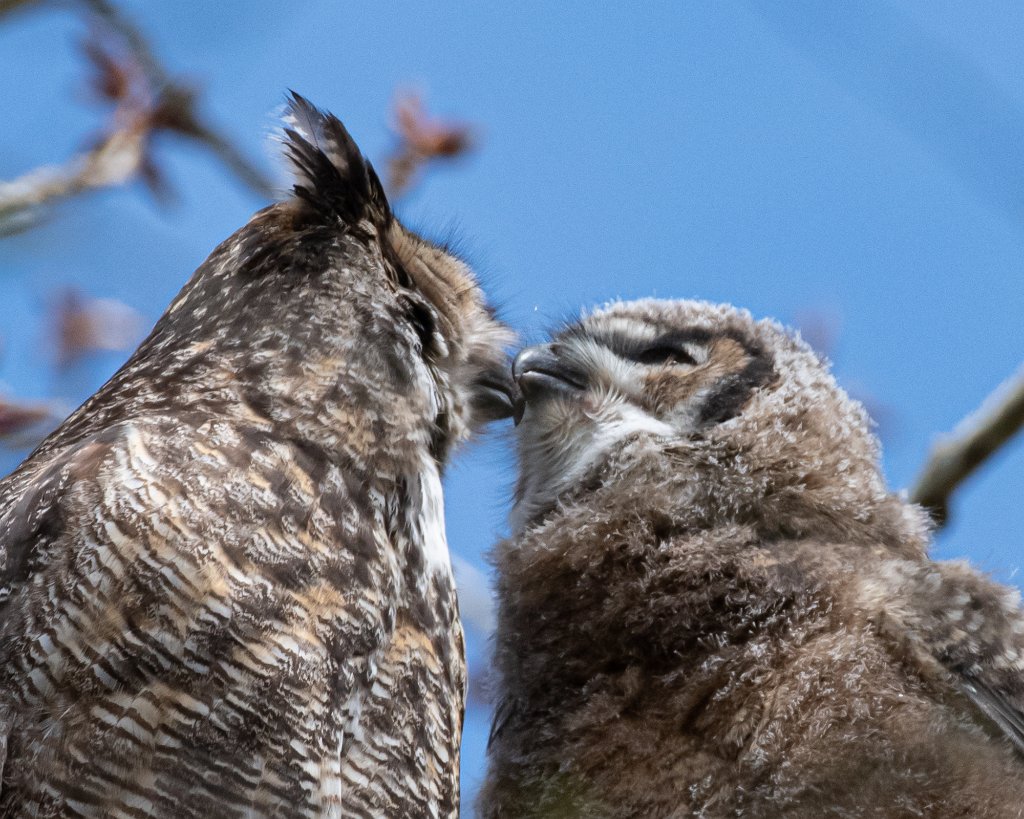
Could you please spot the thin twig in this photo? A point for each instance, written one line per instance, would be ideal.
(180, 100)
(137, 45)
(221, 147)
(189, 123)
(974, 440)
(112, 162)
(147, 101)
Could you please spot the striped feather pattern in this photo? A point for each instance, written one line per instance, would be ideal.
(224, 582)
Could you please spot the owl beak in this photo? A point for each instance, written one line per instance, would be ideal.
(495, 395)
(541, 373)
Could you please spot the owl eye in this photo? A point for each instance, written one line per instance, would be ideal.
(664, 354)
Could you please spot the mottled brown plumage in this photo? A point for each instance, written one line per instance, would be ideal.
(225, 584)
(713, 606)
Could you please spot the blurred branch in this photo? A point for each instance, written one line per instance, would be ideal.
(421, 141)
(219, 145)
(975, 439)
(24, 424)
(113, 161)
(7, 6)
(83, 325)
(147, 101)
(133, 39)
(186, 121)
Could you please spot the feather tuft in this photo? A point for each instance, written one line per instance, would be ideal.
(332, 177)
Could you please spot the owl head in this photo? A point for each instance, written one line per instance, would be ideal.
(724, 416)
(459, 338)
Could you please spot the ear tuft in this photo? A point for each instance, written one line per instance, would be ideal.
(332, 177)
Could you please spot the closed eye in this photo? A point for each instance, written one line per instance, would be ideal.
(664, 354)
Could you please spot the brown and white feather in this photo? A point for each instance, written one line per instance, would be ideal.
(224, 580)
(712, 606)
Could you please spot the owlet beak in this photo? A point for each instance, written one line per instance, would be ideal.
(540, 373)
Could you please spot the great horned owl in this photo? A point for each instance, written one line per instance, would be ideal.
(225, 584)
(712, 605)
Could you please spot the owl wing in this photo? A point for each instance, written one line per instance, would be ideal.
(969, 626)
(31, 523)
(1004, 708)
(187, 619)
(979, 638)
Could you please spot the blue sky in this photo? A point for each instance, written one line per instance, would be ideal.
(862, 161)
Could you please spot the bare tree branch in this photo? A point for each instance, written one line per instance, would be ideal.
(147, 101)
(974, 440)
(112, 162)
(188, 123)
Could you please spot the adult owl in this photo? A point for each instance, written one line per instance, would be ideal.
(225, 583)
(712, 606)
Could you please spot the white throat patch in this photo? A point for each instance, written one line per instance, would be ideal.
(556, 468)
